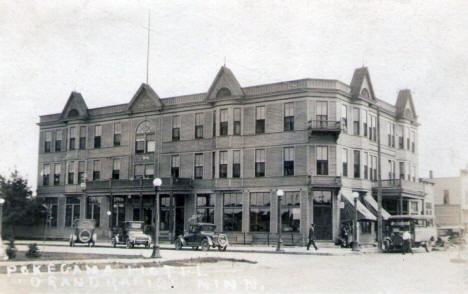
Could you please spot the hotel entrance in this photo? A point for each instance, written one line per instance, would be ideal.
(323, 215)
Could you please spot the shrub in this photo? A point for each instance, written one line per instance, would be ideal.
(33, 251)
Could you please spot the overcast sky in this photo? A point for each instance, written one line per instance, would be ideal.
(98, 48)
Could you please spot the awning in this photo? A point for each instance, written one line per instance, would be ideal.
(365, 213)
(375, 207)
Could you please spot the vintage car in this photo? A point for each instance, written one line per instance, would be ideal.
(421, 227)
(83, 232)
(202, 235)
(451, 235)
(131, 234)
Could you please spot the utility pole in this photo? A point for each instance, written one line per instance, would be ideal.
(379, 183)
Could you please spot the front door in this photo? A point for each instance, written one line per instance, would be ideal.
(323, 215)
(179, 214)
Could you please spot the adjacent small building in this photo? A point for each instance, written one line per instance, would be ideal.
(222, 155)
(451, 200)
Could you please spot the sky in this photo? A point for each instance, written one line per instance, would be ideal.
(98, 48)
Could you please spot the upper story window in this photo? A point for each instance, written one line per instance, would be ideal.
(223, 92)
(391, 134)
(237, 121)
(72, 140)
(408, 147)
(223, 164)
(260, 120)
(81, 172)
(322, 111)
(373, 128)
(97, 136)
(357, 164)
(365, 93)
(116, 169)
(236, 164)
(198, 166)
(144, 171)
(402, 170)
(322, 160)
(366, 165)
(345, 162)
(199, 125)
(413, 141)
(71, 172)
(117, 134)
(45, 174)
(48, 142)
(364, 123)
(175, 165)
(144, 141)
(57, 174)
(260, 162)
(82, 138)
(446, 197)
(73, 113)
(58, 141)
(344, 117)
(223, 122)
(401, 142)
(289, 116)
(288, 164)
(96, 170)
(175, 128)
(356, 121)
(214, 123)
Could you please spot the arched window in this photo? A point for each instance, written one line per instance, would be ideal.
(365, 93)
(223, 92)
(408, 113)
(73, 113)
(144, 139)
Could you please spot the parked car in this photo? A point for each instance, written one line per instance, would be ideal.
(451, 235)
(131, 235)
(202, 235)
(84, 232)
(421, 227)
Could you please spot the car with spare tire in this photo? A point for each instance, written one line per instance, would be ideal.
(202, 235)
(131, 235)
(83, 232)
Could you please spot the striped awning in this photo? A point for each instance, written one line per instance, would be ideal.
(375, 207)
(362, 210)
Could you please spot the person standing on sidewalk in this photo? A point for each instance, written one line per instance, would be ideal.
(407, 242)
(312, 237)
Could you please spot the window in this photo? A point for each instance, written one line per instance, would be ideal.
(366, 165)
(373, 128)
(322, 160)
(322, 111)
(393, 170)
(145, 138)
(198, 125)
(260, 162)
(223, 164)
(205, 207)
(97, 136)
(291, 212)
(213, 164)
(81, 172)
(408, 139)
(149, 171)
(116, 169)
(96, 170)
(365, 93)
(356, 121)
(223, 92)
(260, 120)
(236, 165)
(366, 227)
(223, 122)
(357, 164)
(446, 197)
(57, 174)
(259, 212)
(82, 144)
(289, 116)
(288, 165)
(45, 174)
(58, 141)
(175, 163)
(413, 207)
(390, 169)
(232, 212)
(117, 134)
(72, 139)
(402, 170)
(72, 210)
(344, 118)
(52, 211)
(175, 128)
(391, 135)
(48, 141)
(237, 121)
(400, 137)
(345, 162)
(364, 123)
(71, 172)
(198, 166)
(214, 124)
(93, 209)
(413, 141)
(374, 167)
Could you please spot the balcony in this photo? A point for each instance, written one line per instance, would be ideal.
(397, 187)
(137, 185)
(325, 182)
(321, 127)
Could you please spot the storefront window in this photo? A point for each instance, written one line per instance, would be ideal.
(52, 208)
(205, 207)
(260, 212)
(93, 209)
(118, 213)
(291, 212)
(72, 210)
(232, 212)
(164, 212)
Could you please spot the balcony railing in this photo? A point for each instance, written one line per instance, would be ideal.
(325, 126)
(325, 181)
(137, 184)
(401, 184)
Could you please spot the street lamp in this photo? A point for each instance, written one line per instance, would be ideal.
(355, 236)
(156, 252)
(3, 255)
(279, 194)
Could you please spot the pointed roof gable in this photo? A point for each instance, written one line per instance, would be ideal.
(224, 85)
(360, 81)
(405, 106)
(144, 99)
(75, 108)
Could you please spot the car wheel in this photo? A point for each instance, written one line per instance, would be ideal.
(129, 244)
(428, 246)
(205, 246)
(222, 248)
(386, 246)
(147, 245)
(72, 243)
(178, 244)
(195, 247)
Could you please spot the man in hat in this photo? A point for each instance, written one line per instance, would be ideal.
(312, 237)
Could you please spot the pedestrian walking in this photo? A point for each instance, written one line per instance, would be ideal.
(312, 237)
(407, 242)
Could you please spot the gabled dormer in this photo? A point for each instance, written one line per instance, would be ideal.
(225, 85)
(145, 99)
(75, 108)
(361, 85)
(405, 106)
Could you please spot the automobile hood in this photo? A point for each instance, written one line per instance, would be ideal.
(137, 235)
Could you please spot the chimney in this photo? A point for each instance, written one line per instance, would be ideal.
(431, 174)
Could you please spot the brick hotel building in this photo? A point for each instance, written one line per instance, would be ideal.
(223, 154)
